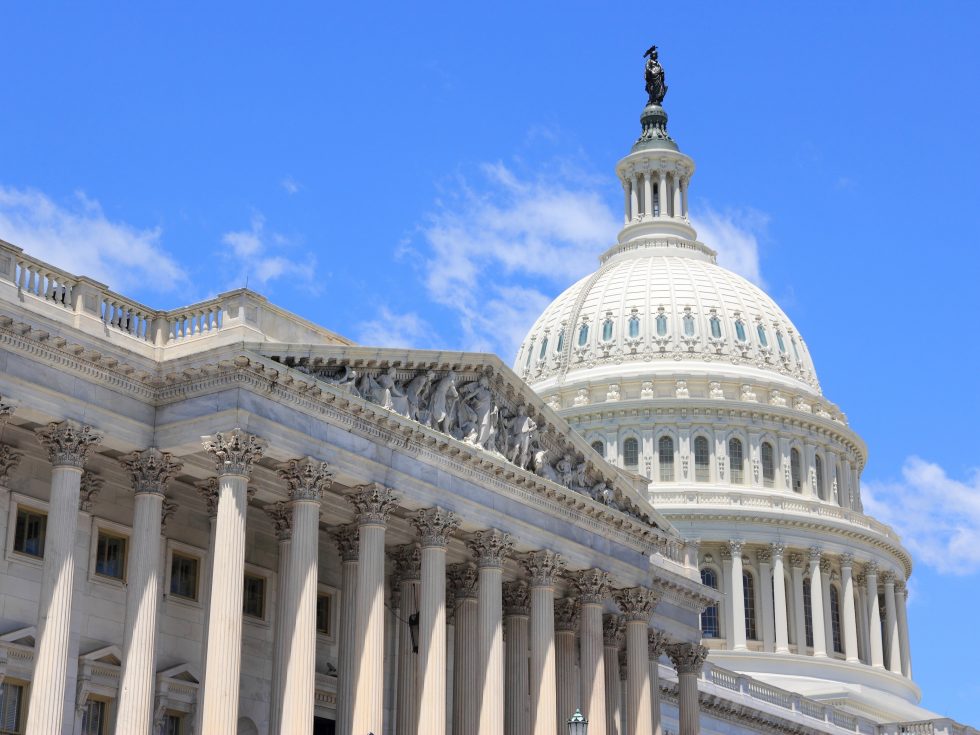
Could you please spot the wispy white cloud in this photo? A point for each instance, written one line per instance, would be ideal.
(78, 237)
(937, 516)
(391, 329)
(734, 234)
(258, 256)
(290, 185)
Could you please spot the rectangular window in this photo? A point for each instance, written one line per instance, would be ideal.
(183, 576)
(324, 614)
(173, 725)
(94, 720)
(110, 556)
(29, 532)
(11, 699)
(253, 601)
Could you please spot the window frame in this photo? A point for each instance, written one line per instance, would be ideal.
(18, 501)
(268, 594)
(186, 550)
(769, 481)
(671, 457)
(736, 441)
(334, 594)
(796, 470)
(582, 338)
(715, 608)
(750, 605)
(110, 528)
(635, 442)
(608, 325)
(601, 451)
(700, 469)
(105, 725)
(20, 722)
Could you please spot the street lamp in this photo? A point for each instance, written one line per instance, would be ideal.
(578, 725)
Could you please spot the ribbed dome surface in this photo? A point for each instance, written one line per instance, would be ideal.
(663, 307)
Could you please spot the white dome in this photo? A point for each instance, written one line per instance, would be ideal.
(663, 307)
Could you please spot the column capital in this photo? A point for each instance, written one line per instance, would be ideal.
(764, 555)
(7, 408)
(167, 511)
(9, 459)
(490, 547)
(435, 526)
(900, 586)
(814, 554)
(592, 585)
(408, 563)
(777, 550)
(306, 478)
(871, 569)
(373, 503)
(688, 658)
(208, 489)
(68, 443)
(515, 598)
(657, 642)
(567, 613)
(825, 566)
(150, 469)
(282, 519)
(846, 560)
(613, 629)
(462, 578)
(348, 539)
(860, 579)
(88, 490)
(796, 560)
(234, 451)
(542, 567)
(887, 577)
(735, 548)
(637, 603)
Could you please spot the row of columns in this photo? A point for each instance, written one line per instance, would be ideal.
(862, 634)
(642, 201)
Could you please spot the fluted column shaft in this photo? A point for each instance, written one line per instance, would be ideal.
(903, 629)
(517, 714)
(768, 623)
(688, 658)
(779, 600)
(638, 701)
(891, 622)
(849, 621)
(610, 666)
(677, 195)
(282, 517)
(408, 576)
(568, 689)
(796, 562)
(542, 566)
(489, 547)
(68, 446)
(634, 199)
(208, 489)
(656, 645)
(465, 659)
(816, 605)
(647, 196)
(738, 598)
(593, 585)
(347, 544)
(874, 617)
(662, 193)
(373, 503)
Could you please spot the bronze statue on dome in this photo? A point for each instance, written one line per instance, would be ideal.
(656, 86)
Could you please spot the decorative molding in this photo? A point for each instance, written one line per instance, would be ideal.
(234, 451)
(68, 443)
(150, 469)
(9, 459)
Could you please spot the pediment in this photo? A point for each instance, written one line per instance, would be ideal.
(181, 672)
(21, 636)
(111, 655)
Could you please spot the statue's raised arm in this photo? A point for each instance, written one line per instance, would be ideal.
(656, 86)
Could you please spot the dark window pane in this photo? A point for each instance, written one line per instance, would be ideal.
(183, 576)
(253, 602)
(29, 532)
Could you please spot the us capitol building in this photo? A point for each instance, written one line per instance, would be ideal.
(224, 519)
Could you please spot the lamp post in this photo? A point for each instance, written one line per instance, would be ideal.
(577, 724)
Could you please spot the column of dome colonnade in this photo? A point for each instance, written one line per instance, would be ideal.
(150, 471)
(68, 445)
(835, 600)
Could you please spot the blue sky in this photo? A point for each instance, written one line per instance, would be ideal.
(434, 175)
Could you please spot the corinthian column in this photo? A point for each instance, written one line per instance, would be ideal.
(688, 658)
(796, 562)
(373, 503)
(234, 453)
(306, 480)
(208, 490)
(542, 568)
(612, 637)
(282, 520)
(874, 616)
(569, 688)
(816, 605)
(517, 715)
(637, 604)
(405, 581)
(657, 642)
(489, 548)
(779, 599)
(891, 624)
(593, 587)
(849, 621)
(738, 597)
(463, 580)
(68, 446)
(346, 538)
(901, 595)
(150, 470)
(434, 526)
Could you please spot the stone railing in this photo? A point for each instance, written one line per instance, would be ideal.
(766, 501)
(92, 307)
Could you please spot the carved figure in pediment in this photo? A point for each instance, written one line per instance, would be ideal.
(442, 404)
(414, 395)
(521, 430)
(479, 412)
(580, 481)
(346, 380)
(390, 393)
(610, 497)
(542, 468)
(566, 470)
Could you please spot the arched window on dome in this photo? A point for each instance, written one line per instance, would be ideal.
(631, 453)
(661, 325)
(689, 325)
(560, 344)
(702, 460)
(818, 470)
(768, 465)
(808, 611)
(835, 620)
(710, 627)
(543, 352)
(607, 330)
(740, 330)
(796, 352)
(665, 455)
(634, 326)
(736, 461)
(530, 354)
(780, 342)
(715, 323)
(748, 594)
(599, 448)
(839, 486)
(763, 338)
(794, 470)
(583, 335)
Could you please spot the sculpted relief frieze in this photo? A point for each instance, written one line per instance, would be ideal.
(472, 407)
